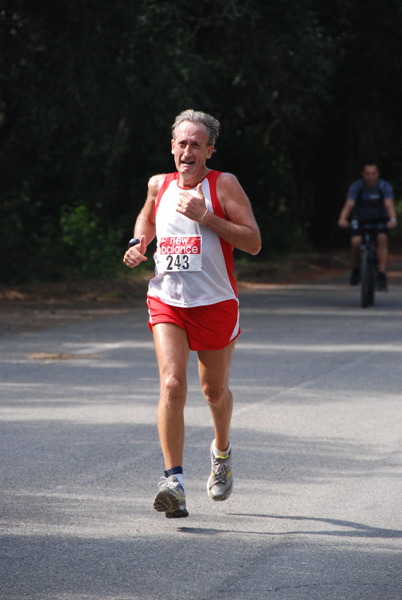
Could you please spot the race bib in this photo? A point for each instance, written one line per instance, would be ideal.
(179, 253)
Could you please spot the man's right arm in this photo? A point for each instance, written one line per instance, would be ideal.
(144, 228)
(343, 220)
(349, 205)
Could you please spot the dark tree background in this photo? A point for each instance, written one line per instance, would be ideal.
(305, 91)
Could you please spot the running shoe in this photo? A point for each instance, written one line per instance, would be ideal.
(355, 276)
(171, 498)
(382, 284)
(220, 482)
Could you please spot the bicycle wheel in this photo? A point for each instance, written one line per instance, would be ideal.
(365, 279)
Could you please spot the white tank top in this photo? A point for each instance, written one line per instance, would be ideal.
(193, 265)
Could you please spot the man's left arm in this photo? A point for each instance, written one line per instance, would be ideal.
(390, 207)
(388, 195)
(241, 229)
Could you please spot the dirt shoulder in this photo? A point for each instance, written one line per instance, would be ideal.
(29, 308)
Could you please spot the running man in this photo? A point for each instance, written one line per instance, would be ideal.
(198, 215)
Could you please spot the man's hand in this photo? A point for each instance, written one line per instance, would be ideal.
(343, 223)
(192, 205)
(392, 223)
(136, 254)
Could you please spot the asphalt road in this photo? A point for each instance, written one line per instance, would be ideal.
(316, 509)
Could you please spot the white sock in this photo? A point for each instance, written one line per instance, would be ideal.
(221, 453)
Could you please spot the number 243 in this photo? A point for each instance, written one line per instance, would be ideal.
(178, 262)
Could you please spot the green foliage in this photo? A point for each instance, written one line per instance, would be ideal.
(86, 247)
(88, 90)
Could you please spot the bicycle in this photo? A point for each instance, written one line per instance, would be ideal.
(368, 259)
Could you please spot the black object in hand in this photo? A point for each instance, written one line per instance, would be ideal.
(133, 242)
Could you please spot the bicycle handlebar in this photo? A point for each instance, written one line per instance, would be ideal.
(367, 226)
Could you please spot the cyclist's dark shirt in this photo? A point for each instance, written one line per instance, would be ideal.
(369, 205)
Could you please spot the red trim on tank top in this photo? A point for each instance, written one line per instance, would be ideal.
(169, 177)
(227, 249)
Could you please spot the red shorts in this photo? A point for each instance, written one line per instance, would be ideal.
(210, 327)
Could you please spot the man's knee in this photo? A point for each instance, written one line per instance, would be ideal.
(173, 386)
(382, 240)
(214, 392)
(355, 241)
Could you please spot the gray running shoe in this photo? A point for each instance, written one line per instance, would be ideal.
(171, 498)
(220, 482)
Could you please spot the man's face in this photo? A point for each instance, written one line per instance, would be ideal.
(191, 150)
(370, 175)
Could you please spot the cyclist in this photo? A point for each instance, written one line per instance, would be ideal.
(369, 200)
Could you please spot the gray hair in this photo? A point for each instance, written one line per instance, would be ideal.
(197, 116)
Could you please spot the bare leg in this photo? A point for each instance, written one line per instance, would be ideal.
(214, 368)
(382, 251)
(355, 244)
(172, 350)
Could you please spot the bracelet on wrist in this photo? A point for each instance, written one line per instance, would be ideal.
(204, 215)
